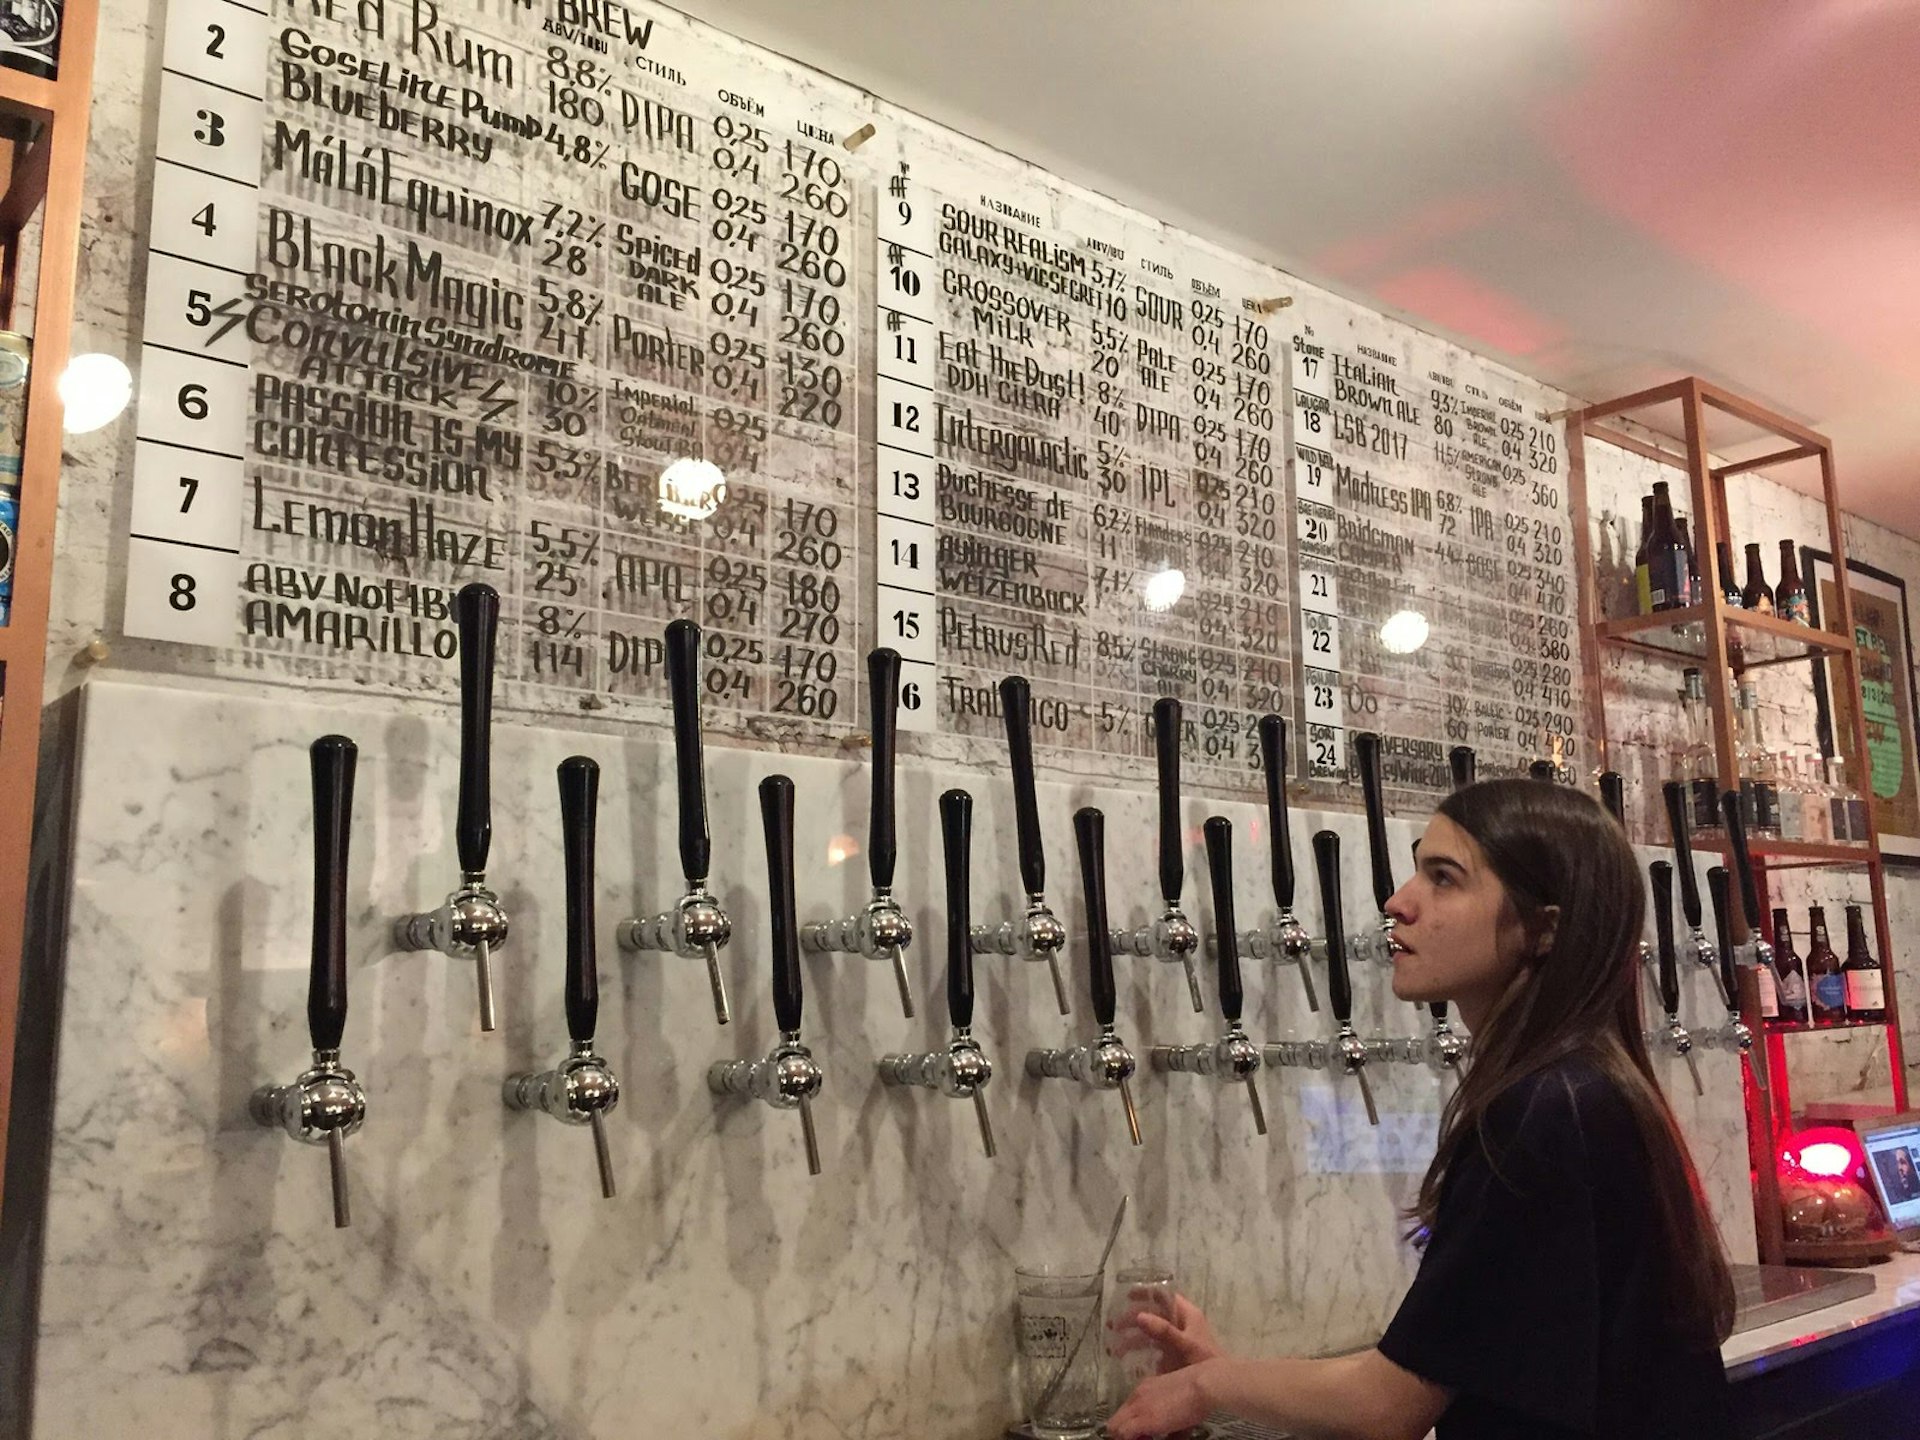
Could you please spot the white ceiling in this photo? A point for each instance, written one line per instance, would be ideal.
(1606, 194)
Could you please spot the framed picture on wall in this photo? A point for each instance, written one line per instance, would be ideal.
(1889, 774)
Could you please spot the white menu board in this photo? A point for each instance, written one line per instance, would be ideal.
(633, 321)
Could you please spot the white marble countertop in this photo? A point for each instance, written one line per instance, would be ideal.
(1896, 1288)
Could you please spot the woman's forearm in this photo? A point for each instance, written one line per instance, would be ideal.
(1363, 1396)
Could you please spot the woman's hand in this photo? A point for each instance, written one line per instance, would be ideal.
(1165, 1404)
(1184, 1337)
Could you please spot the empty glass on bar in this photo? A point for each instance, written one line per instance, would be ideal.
(1062, 1359)
(1144, 1288)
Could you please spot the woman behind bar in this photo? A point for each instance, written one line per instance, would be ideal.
(1572, 1281)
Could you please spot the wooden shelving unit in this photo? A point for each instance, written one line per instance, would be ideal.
(42, 180)
(1708, 635)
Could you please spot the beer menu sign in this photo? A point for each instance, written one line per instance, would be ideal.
(634, 321)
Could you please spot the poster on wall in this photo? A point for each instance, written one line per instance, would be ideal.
(1889, 775)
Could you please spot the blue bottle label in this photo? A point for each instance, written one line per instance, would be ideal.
(1830, 992)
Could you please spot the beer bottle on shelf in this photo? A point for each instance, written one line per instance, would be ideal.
(1759, 786)
(1826, 986)
(1666, 555)
(1847, 808)
(1691, 569)
(1866, 983)
(1730, 595)
(1792, 974)
(1758, 595)
(1697, 764)
(1729, 588)
(1642, 576)
(1790, 595)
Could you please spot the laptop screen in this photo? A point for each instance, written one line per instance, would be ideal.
(1893, 1158)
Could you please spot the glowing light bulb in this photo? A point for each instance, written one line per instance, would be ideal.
(1163, 589)
(692, 489)
(1827, 1159)
(94, 389)
(1404, 632)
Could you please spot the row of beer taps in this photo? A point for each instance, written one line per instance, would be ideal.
(325, 1104)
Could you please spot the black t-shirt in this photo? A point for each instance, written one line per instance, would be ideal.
(1538, 1299)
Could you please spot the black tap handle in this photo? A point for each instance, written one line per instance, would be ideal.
(1090, 833)
(1717, 894)
(1372, 790)
(776, 817)
(1273, 759)
(1438, 1009)
(1676, 796)
(1016, 708)
(1219, 833)
(476, 611)
(1326, 860)
(579, 802)
(333, 758)
(1543, 770)
(1661, 874)
(956, 835)
(1461, 760)
(1742, 859)
(683, 678)
(1166, 744)
(1613, 795)
(883, 689)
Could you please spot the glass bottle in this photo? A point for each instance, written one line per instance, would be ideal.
(1757, 594)
(1691, 571)
(1790, 793)
(1698, 766)
(1826, 986)
(1790, 595)
(1816, 798)
(1730, 596)
(1866, 983)
(1666, 556)
(1642, 576)
(1759, 787)
(1792, 974)
(1848, 809)
(1729, 590)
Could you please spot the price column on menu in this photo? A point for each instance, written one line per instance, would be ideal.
(1261, 543)
(1317, 542)
(183, 554)
(907, 343)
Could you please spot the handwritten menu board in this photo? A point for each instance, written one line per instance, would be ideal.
(632, 321)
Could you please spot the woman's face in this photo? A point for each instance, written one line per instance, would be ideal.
(1459, 937)
(1903, 1162)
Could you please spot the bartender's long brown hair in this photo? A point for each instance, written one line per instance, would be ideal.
(1550, 845)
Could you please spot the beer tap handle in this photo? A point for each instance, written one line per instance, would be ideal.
(579, 801)
(1742, 859)
(1090, 833)
(333, 758)
(1676, 797)
(1016, 709)
(1461, 760)
(1661, 874)
(956, 834)
(1219, 833)
(1166, 744)
(1613, 794)
(1544, 770)
(883, 690)
(1372, 788)
(683, 679)
(776, 817)
(1273, 760)
(476, 612)
(1728, 971)
(1326, 860)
